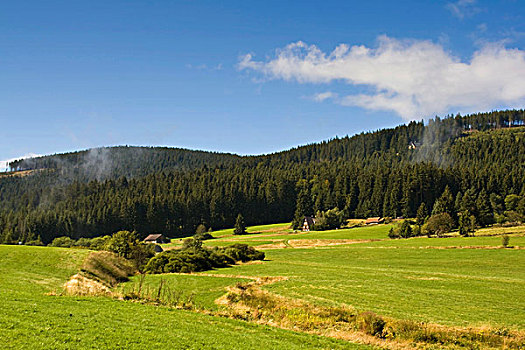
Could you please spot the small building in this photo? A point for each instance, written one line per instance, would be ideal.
(308, 223)
(158, 248)
(374, 221)
(156, 239)
(414, 145)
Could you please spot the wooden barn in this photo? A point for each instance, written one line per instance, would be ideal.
(374, 221)
(156, 239)
(308, 223)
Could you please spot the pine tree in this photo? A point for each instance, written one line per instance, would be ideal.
(240, 227)
(444, 204)
(421, 214)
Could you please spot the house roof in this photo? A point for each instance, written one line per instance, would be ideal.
(375, 220)
(153, 237)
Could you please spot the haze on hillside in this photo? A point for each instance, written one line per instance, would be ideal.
(247, 78)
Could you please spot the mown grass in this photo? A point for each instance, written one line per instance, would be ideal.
(412, 279)
(30, 319)
(252, 232)
(405, 278)
(446, 286)
(268, 236)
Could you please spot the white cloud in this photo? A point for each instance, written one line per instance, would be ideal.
(4, 164)
(412, 78)
(320, 97)
(462, 8)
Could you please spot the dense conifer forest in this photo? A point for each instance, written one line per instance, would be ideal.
(477, 161)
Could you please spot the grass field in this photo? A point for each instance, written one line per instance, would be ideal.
(480, 284)
(30, 319)
(281, 233)
(453, 281)
(446, 286)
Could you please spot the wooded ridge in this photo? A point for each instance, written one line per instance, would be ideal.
(390, 172)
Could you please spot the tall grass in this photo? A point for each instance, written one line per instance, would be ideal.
(160, 294)
(107, 268)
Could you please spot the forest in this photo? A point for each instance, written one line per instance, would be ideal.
(478, 160)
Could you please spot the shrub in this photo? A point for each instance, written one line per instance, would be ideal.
(329, 220)
(35, 242)
(82, 243)
(202, 236)
(126, 245)
(194, 258)
(438, 224)
(121, 243)
(243, 252)
(403, 230)
(370, 323)
(505, 241)
(64, 242)
(98, 243)
(200, 229)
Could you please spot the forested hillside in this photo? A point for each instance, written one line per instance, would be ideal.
(391, 172)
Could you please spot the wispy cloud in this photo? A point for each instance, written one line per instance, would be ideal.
(205, 66)
(320, 97)
(412, 78)
(462, 8)
(5, 163)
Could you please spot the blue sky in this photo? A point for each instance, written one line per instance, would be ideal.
(230, 76)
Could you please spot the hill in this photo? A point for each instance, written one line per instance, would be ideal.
(477, 158)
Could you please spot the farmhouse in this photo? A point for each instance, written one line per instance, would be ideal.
(308, 224)
(156, 238)
(374, 221)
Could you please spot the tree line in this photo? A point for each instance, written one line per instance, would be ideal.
(391, 172)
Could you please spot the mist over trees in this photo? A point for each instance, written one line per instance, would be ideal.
(447, 166)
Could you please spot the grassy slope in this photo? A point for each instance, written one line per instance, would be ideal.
(266, 234)
(403, 279)
(30, 319)
(398, 278)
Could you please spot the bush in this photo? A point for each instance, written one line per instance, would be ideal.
(329, 220)
(194, 258)
(64, 242)
(438, 224)
(370, 323)
(98, 243)
(505, 241)
(35, 242)
(243, 252)
(402, 230)
(126, 245)
(200, 229)
(121, 243)
(202, 236)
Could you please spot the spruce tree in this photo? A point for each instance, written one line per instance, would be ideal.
(240, 227)
(421, 214)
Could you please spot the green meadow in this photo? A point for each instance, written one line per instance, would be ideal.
(32, 319)
(452, 281)
(458, 281)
